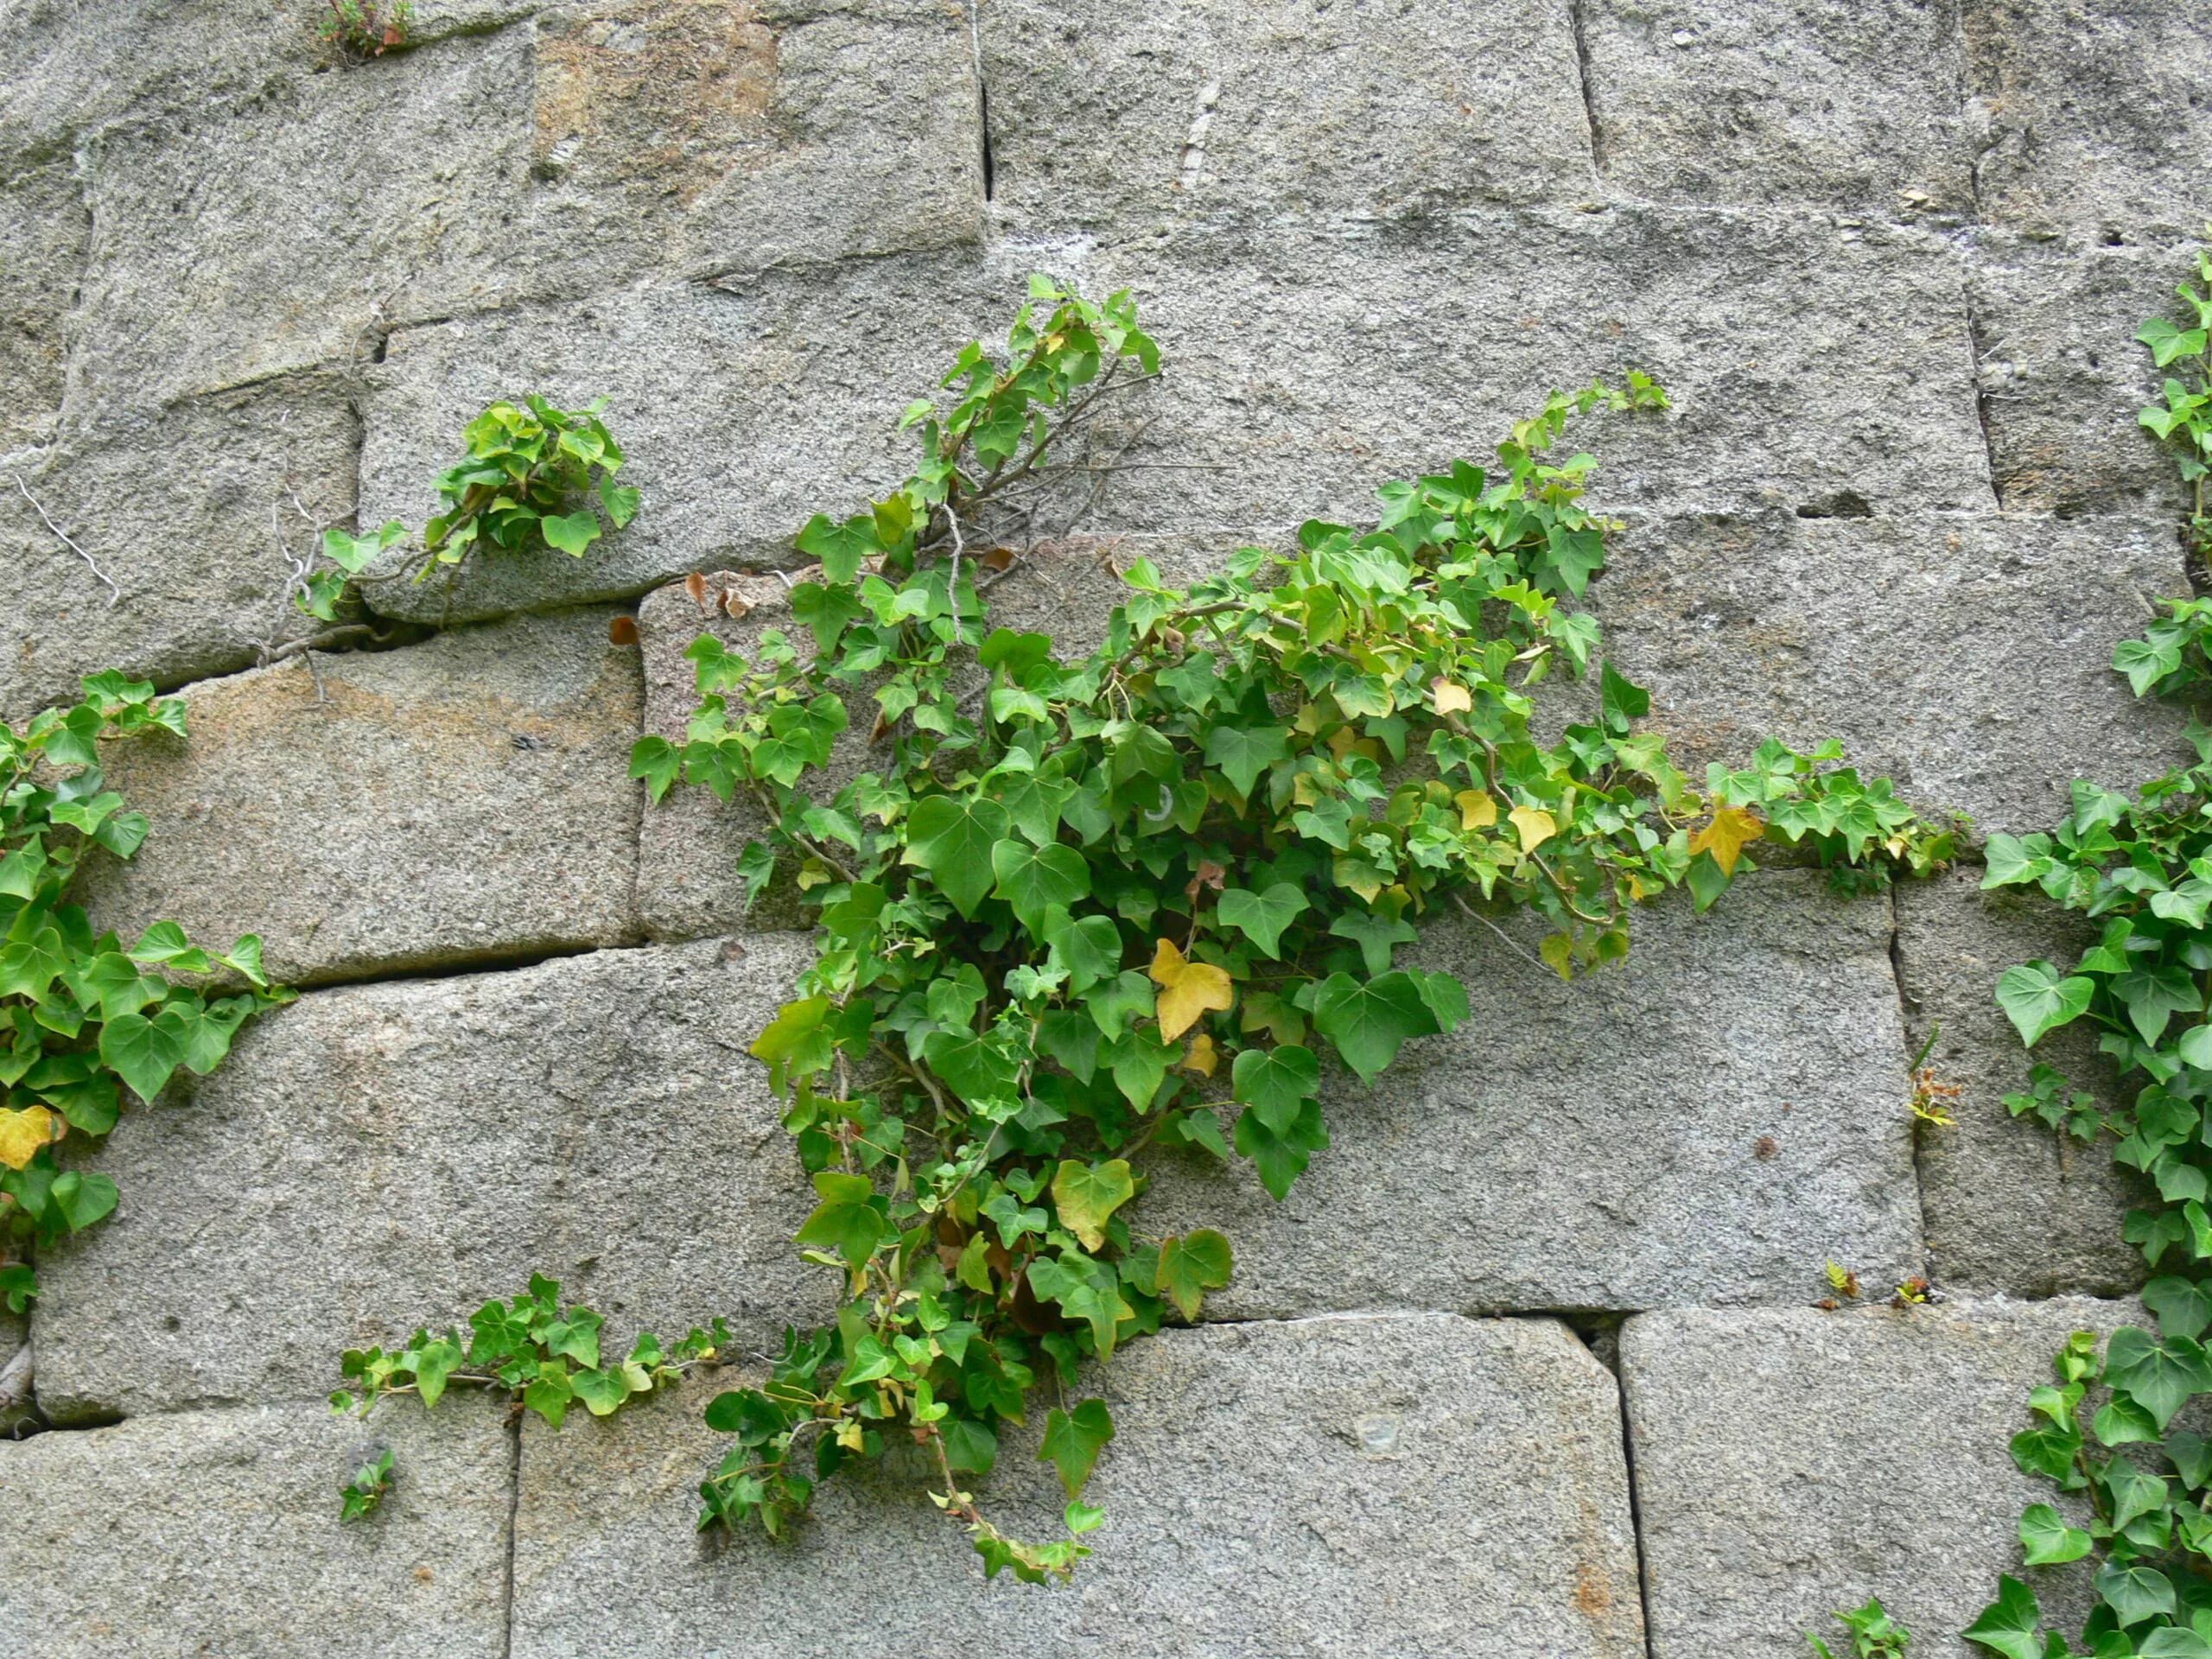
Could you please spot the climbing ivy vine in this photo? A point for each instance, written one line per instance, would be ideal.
(85, 1021)
(1158, 895)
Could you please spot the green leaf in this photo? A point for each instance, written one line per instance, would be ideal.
(2134, 1593)
(951, 838)
(1074, 1440)
(1369, 1022)
(601, 1391)
(571, 532)
(82, 1198)
(1622, 701)
(1262, 916)
(1276, 1082)
(1376, 935)
(656, 761)
(2047, 1541)
(1086, 1194)
(145, 1052)
(1190, 1265)
(2037, 999)
(1281, 1157)
(1029, 878)
(847, 1220)
(1242, 755)
(2008, 1625)
(2161, 1374)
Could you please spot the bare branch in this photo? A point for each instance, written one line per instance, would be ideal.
(114, 593)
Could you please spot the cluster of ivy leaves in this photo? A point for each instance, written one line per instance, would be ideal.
(1072, 910)
(2111, 1429)
(2183, 418)
(544, 1357)
(85, 1018)
(535, 476)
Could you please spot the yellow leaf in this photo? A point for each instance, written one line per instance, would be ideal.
(1199, 1057)
(1187, 990)
(1451, 699)
(22, 1134)
(1477, 810)
(1534, 824)
(1732, 829)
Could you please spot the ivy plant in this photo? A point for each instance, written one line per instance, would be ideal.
(1873, 1635)
(85, 1021)
(2183, 418)
(1073, 910)
(534, 476)
(544, 1357)
(360, 30)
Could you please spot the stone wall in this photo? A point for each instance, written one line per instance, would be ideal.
(1569, 1399)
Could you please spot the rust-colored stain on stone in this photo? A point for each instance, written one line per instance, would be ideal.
(675, 93)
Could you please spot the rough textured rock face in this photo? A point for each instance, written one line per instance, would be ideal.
(1887, 258)
(1371, 1484)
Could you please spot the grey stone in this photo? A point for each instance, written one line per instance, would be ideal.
(16, 1373)
(43, 226)
(2097, 118)
(1113, 120)
(379, 1157)
(1709, 1121)
(1790, 1462)
(2008, 1205)
(690, 843)
(189, 510)
(2061, 377)
(1399, 1484)
(281, 229)
(1782, 101)
(218, 1532)
(1303, 370)
(1966, 657)
(463, 800)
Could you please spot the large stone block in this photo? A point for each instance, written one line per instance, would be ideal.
(216, 1532)
(1709, 1121)
(2061, 377)
(189, 512)
(2097, 116)
(282, 228)
(1790, 1462)
(1303, 370)
(15, 1372)
(1109, 120)
(1781, 101)
(689, 842)
(1967, 658)
(1400, 1484)
(43, 227)
(379, 1157)
(2008, 1206)
(460, 801)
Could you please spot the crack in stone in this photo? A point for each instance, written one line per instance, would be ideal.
(1589, 93)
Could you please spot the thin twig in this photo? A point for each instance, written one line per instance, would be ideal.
(1511, 943)
(114, 593)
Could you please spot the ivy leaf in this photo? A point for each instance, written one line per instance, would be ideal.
(2047, 1541)
(571, 532)
(656, 761)
(2008, 1625)
(1029, 878)
(2135, 1593)
(1262, 916)
(1187, 990)
(1369, 1022)
(1732, 829)
(1086, 1194)
(1374, 934)
(1089, 949)
(2160, 1375)
(23, 1133)
(601, 1391)
(839, 548)
(2184, 1307)
(1189, 1267)
(1276, 1082)
(2036, 999)
(82, 1198)
(951, 838)
(145, 1052)
(847, 1220)
(1242, 754)
(1280, 1158)
(1074, 1440)
(1532, 825)
(1622, 701)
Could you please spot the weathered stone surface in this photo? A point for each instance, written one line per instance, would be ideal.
(218, 1532)
(379, 1157)
(2061, 377)
(690, 843)
(710, 136)
(43, 226)
(188, 511)
(1796, 101)
(1395, 1485)
(1106, 119)
(1967, 658)
(453, 802)
(2008, 1206)
(1790, 1462)
(1304, 369)
(1708, 1122)
(15, 1372)
(2098, 118)
(279, 229)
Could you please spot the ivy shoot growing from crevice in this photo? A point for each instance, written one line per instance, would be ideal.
(1075, 910)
